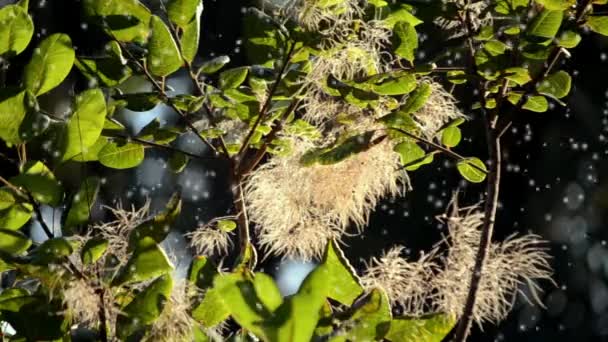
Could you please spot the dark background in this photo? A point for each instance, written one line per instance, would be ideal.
(554, 183)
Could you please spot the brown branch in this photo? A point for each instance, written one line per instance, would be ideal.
(161, 92)
(492, 188)
(266, 105)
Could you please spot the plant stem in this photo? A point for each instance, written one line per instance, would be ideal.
(266, 105)
(161, 91)
(437, 147)
(492, 188)
(491, 205)
(155, 145)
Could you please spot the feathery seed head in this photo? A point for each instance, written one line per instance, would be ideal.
(208, 240)
(298, 208)
(407, 283)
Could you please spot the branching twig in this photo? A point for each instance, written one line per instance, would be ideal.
(161, 91)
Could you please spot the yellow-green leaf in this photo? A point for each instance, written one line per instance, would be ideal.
(16, 30)
(86, 124)
(472, 169)
(50, 64)
(123, 156)
(163, 57)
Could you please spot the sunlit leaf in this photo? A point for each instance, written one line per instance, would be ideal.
(163, 55)
(147, 261)
(472, 169)
(82, 201)
(86, 123)
(50, 64)
(145, 308)
(556, 85)
(16, 30)
(598, 24)
(183, 12)
(233, 78)
(451, 136)
(15, 216)
(40, 182)
(93, 250)
(159, 226)
(13, 242)
(12, 113)
(127, 20)
(405, 40)
(345, 285)
(433, 328)
(125, 156)
(546, 24)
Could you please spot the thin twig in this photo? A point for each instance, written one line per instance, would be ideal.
(155, 145)
(164, 96)
(268, 101)
(437, 147)
(492, 188)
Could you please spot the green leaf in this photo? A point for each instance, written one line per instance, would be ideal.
(536, 103)
(178, 162)
(108, 71)
(518, 75)
(412, 155)
(297, 317)
(159, 226)
(147, 261)
(546, 24)
(425, 329)
(91, 154)
(399, 85)
(233, 78)
(121, 156)
(212, 310)
(16, 30)
(12, 112)
(183, 12)
(557, 5)
(163, 55)
(190, 37)
(13, 242)
(127, 20)
(570, 39)
(145, 308)
(400, 13)
(50, 64)
(53, 250)
(345, 286)
(202, 272)
(240, 297)
(353, 145)
(371, 320)
(451, 136)
(6, 199)
(86, 124)
(471, 169)
(93, 250)
(405, 40)
(226, 225)
(15, 216)
(40, 182)
(556, 85)
(214, 65)
(267, 290)
(598, 24)
(81, 203)
(139, 102)
(417, 99)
